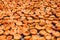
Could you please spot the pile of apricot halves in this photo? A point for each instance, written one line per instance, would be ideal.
(29, 19)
